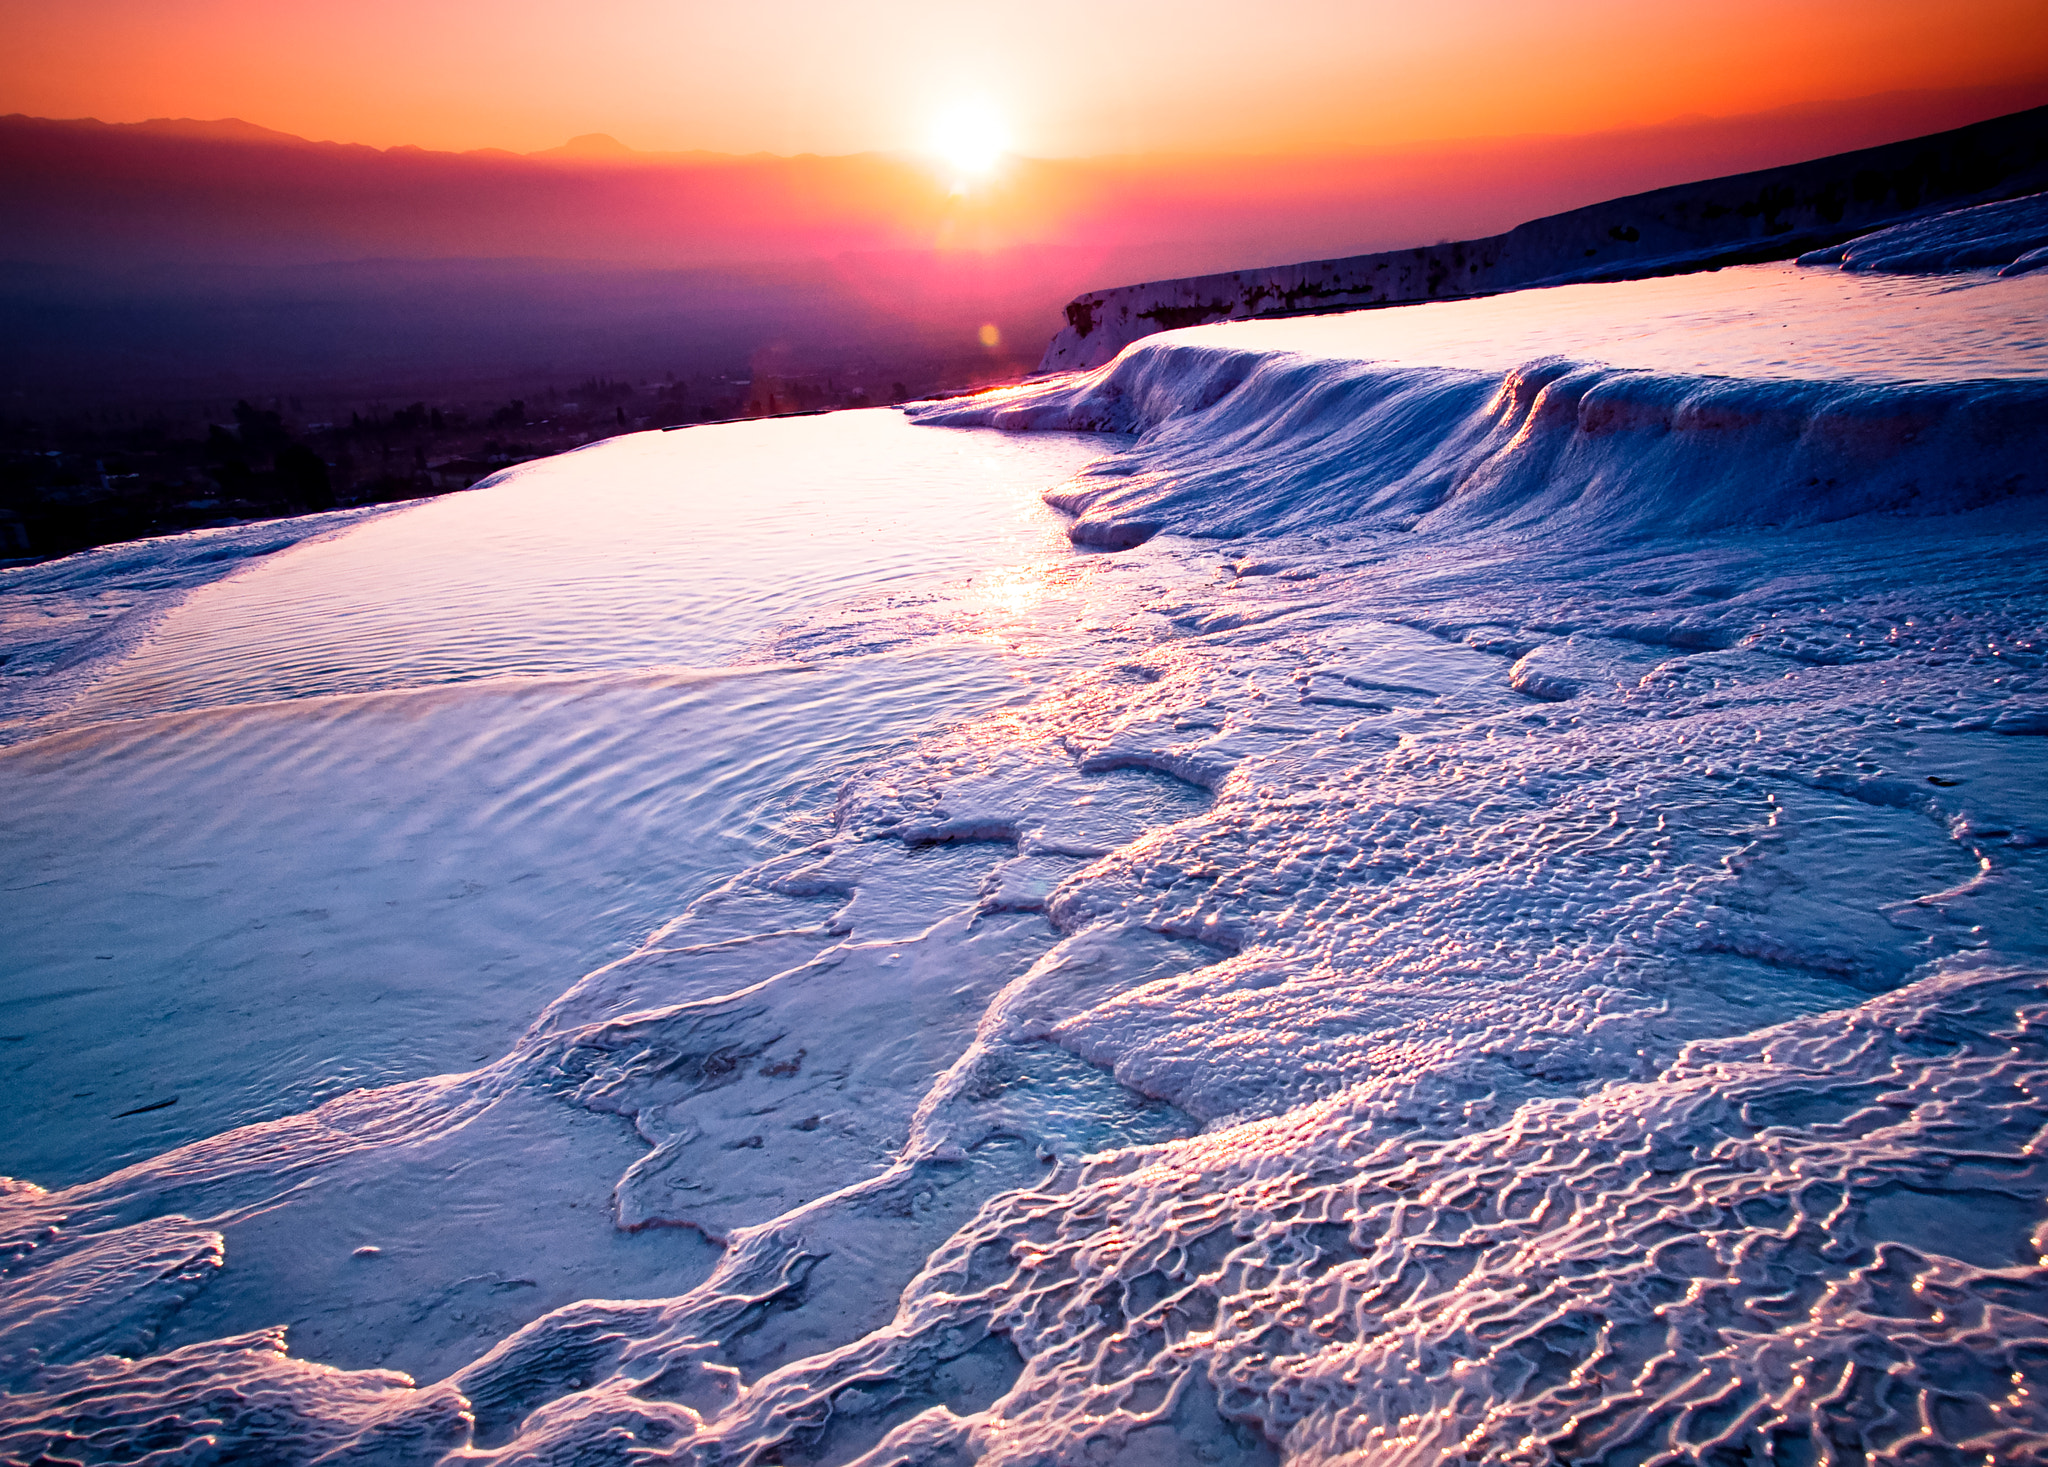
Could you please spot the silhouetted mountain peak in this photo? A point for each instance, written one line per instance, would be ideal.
(588, 145)
(220, 129)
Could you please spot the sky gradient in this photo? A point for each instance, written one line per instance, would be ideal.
(1067, 78)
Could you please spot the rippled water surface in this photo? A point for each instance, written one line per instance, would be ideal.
(656, 549)
(354, 814)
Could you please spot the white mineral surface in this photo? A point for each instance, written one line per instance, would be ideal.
(1502, 924)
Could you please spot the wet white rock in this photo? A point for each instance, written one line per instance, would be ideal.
(2012, 235)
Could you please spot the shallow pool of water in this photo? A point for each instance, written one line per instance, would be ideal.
(654, 549)
(354, 814)
(1783, 320)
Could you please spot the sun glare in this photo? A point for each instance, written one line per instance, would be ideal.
(970, 138)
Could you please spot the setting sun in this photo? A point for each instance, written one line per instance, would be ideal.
(970, 137)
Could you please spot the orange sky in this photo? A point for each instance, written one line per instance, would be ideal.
(1069, 77)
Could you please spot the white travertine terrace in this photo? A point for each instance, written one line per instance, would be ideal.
(1504, 925)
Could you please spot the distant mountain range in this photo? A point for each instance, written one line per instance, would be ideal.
(179, 191)
(141, 256)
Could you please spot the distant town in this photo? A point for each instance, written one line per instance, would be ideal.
(72, 477)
